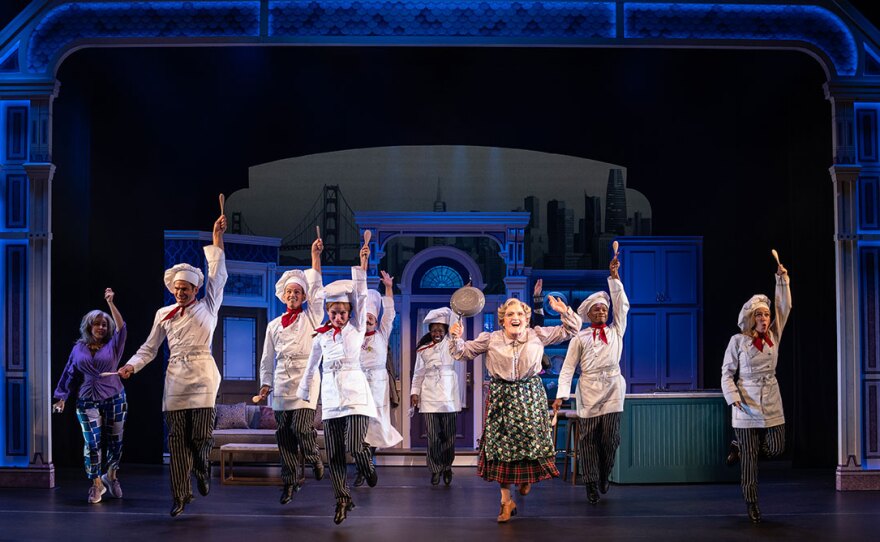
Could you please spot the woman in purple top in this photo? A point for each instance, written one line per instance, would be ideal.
(91, 371)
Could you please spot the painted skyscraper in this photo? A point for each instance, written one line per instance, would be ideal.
(615, 203)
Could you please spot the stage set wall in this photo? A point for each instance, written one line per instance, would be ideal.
(144, 139)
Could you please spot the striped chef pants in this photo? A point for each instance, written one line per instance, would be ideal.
(190, 439)
(341, 434)
(441, 440)
(752, 443)
(598, 440)
(296, 430)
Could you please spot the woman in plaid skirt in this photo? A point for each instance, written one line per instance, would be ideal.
(516, 447)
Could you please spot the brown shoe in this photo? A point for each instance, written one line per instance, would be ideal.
(508, 509)
(525, 488)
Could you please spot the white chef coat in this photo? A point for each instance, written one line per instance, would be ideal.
(601, 388)
(286, 350)
(344, 387)
(435, 379)
(374, 360)
(757, 388)
(192, 379)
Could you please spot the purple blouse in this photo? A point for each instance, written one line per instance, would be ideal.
(83, 367)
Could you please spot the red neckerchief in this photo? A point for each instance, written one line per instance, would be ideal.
(599, 329)
(181, 308)
(432, 345)
(369, 333)
(289, 317)
(327, 327)
(760, 339)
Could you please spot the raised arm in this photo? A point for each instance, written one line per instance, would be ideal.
(619, 303)
(571, 324)
(317, 249)
(388, 312)
(219, 230)
(783, 300)
(117, 316)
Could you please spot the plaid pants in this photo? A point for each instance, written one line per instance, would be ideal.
(93, 416)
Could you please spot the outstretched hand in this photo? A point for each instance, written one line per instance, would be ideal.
(539, 287)
(125, 371)
(108, 295)
(781, 271)
(557, 304)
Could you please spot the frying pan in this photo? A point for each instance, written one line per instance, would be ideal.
(467, 301)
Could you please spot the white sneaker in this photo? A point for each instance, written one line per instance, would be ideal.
(95, 493)
(112, 486)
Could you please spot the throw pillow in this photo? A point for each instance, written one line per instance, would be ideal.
(267, 418)
(231, 416)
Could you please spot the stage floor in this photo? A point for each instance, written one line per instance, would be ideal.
(796, 504)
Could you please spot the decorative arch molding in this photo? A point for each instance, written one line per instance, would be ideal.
(36, 42)
(433, 253)
(506, 229)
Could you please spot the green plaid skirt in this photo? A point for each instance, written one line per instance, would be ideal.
(516, 446)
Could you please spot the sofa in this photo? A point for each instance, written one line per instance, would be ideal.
(242, 423)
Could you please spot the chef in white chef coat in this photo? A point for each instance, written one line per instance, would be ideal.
(435, 391)
(346, 400)
(374, 361)
(192, 379)
(601, 388)
(286, 352)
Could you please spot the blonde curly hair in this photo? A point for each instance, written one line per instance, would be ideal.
(503, 308)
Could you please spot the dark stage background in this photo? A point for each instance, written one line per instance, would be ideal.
(731, 145)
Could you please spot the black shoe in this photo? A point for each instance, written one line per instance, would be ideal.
(204, 486)
(372, 478)
(447, 476)
(754, 512)
(318, 470)
(178, 507)
(592, 493)
(342, 508)
(733, 453)
(359, 480)
(287, 492)
(604, 486)
(435, 478)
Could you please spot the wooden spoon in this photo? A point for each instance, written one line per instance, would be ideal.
(614, 246)
(775, 255)
(222, 204)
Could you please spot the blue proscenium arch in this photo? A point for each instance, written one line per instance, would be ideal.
(59, 28)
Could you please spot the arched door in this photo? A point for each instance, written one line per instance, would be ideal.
(431, 278)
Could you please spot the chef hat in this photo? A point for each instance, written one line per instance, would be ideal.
(342, 291)
(183, 271)
(294, 276)
(598, 297)
(374, 302)
(442, 315)
(757, 301)
(339, 291)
